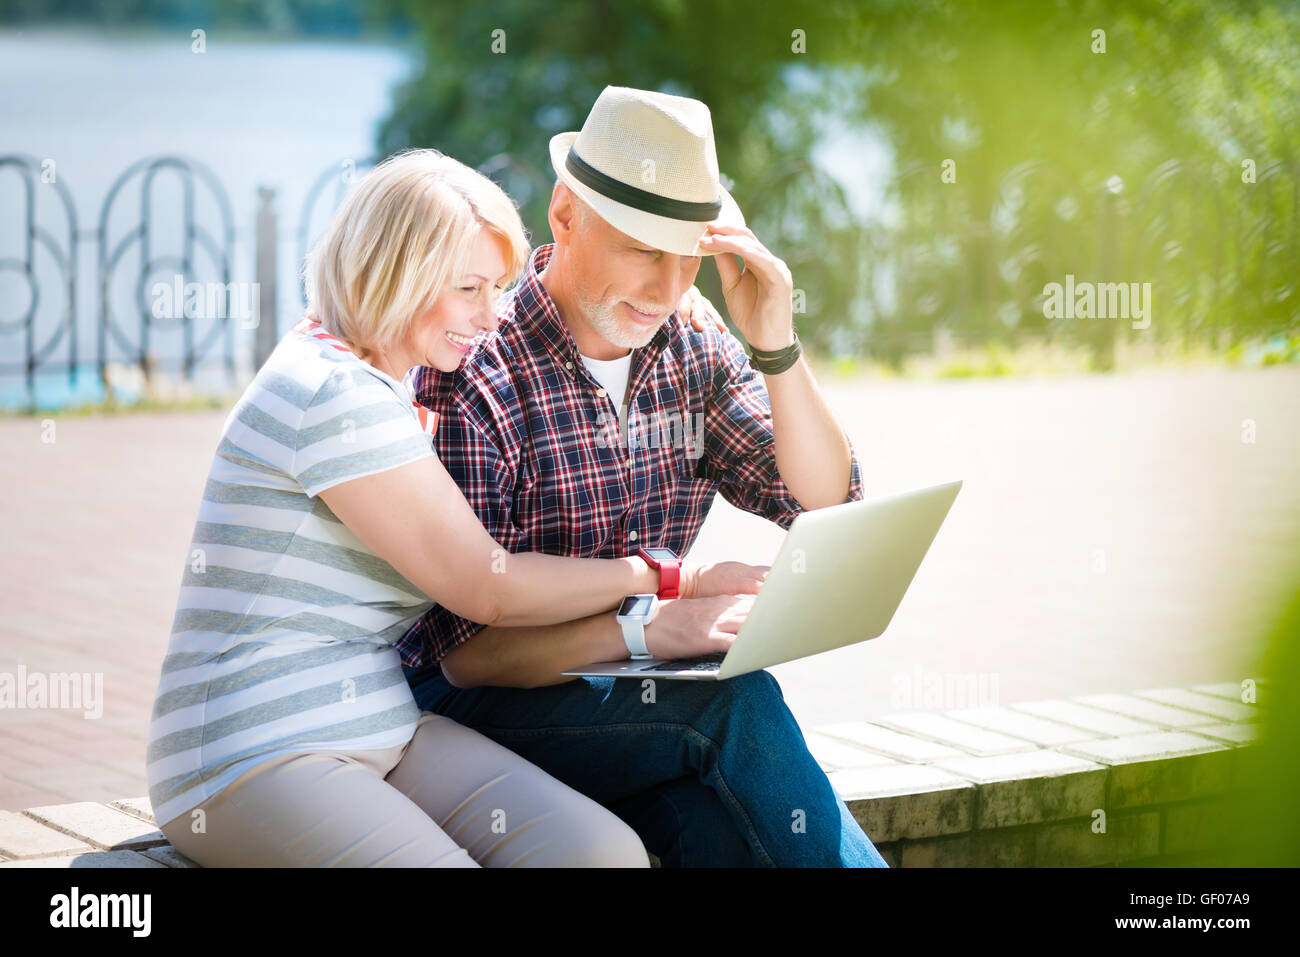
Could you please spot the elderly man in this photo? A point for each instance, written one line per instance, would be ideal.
(544, 429)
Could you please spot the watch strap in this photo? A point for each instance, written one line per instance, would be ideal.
(670, 574)
(634, 638)
(670, 578)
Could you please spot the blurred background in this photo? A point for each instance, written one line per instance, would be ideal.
(925, 169)
(928, 170)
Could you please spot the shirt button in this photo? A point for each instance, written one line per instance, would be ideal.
(601, 393)
(568, 365)
(632, 535)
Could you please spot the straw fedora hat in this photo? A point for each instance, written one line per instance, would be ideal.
(646, 163)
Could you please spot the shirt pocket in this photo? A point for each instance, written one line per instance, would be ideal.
(684, 471)
(694, 482)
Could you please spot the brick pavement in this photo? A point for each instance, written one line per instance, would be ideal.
(1112, 533)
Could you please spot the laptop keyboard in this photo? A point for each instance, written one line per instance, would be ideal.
(709, 662)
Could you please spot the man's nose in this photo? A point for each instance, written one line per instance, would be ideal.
(664, 290)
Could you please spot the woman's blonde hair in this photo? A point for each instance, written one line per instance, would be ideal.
(403, 233)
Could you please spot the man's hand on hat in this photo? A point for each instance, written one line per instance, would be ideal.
(699, 311)
(759, 295)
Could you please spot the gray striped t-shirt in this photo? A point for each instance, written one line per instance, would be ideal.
(281, 640)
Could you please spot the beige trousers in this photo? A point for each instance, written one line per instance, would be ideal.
(449, 797)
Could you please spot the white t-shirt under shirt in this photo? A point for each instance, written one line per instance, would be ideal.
(612, 375)
(282, 637)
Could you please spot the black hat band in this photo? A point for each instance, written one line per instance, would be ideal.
(621, 192)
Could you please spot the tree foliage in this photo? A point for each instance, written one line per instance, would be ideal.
(1061, 150)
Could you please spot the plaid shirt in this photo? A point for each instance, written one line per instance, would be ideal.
(535, 443)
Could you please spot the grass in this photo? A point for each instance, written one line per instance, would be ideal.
(991, 360)
(194, 403)
(1277, 351)
(996, 359)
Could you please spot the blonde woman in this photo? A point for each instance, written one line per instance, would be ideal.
(283, 731)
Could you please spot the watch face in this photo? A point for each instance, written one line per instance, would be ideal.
(636, 606)
(661, 554)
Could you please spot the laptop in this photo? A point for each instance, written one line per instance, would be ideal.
(838, 579)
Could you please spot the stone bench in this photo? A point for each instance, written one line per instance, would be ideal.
(1141, 779)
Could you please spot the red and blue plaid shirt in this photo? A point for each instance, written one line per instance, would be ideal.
(535, 443)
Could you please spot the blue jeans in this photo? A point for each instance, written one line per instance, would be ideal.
(706, 772)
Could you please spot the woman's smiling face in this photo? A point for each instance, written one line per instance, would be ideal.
(442, 336)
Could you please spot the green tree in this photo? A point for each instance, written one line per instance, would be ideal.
(1061, 152)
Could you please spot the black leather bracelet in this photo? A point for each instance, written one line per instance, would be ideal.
(773, 366)
(777, 353)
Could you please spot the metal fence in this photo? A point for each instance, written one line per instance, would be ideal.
(1224, 262)
(50, 336)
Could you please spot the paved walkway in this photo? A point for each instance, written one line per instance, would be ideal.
(1113, 533)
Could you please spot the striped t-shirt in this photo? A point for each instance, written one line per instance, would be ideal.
(282, 637)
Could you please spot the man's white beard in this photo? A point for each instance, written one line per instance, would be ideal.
(601, 316)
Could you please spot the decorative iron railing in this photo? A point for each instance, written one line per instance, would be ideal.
(1221, 255)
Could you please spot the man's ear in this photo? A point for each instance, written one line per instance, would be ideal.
(562, 214)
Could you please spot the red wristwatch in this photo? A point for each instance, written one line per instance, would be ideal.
(670, 569)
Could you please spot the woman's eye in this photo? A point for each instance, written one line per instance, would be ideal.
(469, 289)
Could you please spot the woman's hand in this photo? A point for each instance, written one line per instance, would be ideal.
(721, 578)
(699, 311)
(689, 627)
